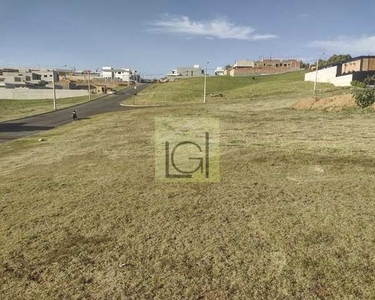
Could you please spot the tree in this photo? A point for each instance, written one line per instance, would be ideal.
(334, 59)
(304, 65)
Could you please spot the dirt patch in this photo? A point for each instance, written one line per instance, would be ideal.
(335, 103)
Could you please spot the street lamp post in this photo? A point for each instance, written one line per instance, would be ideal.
(89, 87)
(205, 84)
(54, 89)
(316, 74)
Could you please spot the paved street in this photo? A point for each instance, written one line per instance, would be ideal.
(11, 130)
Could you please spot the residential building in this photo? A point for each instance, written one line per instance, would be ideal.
(47, 74)
(27, 77)
(81, 75)
(219, 71)
(118, 74)
(342, 74)
(263, 66)
(243, 64)
(179, 72)
(18, 79)
(107, 73)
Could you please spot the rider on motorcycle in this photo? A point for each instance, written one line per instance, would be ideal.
(74, 115)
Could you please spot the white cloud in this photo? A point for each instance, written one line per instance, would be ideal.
(220, 28)
(345, 44)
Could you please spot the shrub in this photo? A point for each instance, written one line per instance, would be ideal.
(364, 97)
(357, 83)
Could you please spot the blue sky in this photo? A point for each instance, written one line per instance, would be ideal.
(155, 36)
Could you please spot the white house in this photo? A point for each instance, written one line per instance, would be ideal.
(117, 74)
(342, 74)
(194, 71)
(329, 75)
(107, 72)
(219, 71)
(123, 74)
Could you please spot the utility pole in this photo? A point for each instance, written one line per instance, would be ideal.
(316, 74)
(205, 84)
(89, 87)
(54, 89)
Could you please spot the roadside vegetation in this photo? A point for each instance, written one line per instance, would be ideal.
(364, 92)
(15, 109)
(292, 217)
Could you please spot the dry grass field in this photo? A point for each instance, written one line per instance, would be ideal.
(291, 218)
(14, 109)
(284, 87)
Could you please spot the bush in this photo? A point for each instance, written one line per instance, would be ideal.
(357, 83)
(364, 97)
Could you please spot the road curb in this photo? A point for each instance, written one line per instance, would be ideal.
(131, 105)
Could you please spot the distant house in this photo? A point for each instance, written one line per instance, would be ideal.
(107, 73)
(180, 72)
(65, 84)
(82, 75)
(243, 64)
(342, 74)
(118, 74)
(47, 75)
(263, 66)
(219, 71)
(21, 79)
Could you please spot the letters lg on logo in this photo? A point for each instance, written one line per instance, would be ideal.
(199, 163)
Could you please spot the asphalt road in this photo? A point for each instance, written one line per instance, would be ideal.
(15, 129)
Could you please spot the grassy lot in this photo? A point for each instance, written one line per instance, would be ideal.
(191, 90)
(14, 109)
(292, 217)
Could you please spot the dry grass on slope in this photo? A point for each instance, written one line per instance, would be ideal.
(334, 103)
(83, 218)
